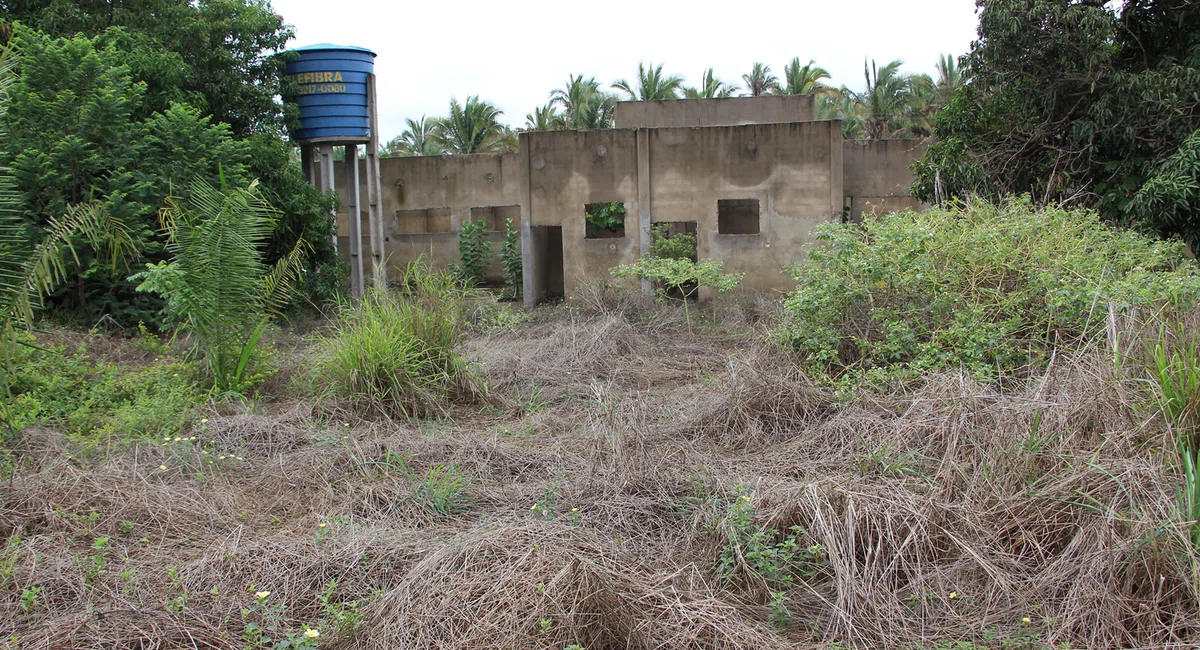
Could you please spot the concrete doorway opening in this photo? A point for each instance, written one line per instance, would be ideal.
(547, 272)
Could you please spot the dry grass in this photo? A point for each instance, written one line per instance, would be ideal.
(1051, 501)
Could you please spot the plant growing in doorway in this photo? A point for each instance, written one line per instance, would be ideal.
(475, 252)
(510, 257)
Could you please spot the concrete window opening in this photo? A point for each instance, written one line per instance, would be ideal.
(547, 271)
(496, 216)
(422, 221)
(604, 220)
(737, 216)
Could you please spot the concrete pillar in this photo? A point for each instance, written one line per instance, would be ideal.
(374, 191)
(837, 194)
(325, 152)
(529, 285)
(354, 221)
(643, 200)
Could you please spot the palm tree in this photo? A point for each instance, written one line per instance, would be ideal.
(950, 78)
(759, 81)
(845, 107)
(891, 100)
(710, 88)
(584, 105)
(651, 84)
(417, 139)
(473, 127)
(805, 79)
(545, 118)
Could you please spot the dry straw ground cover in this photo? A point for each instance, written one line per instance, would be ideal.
(630, 484)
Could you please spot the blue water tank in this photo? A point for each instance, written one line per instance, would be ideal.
(332, 95)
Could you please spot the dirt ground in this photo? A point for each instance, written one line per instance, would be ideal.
(617, 455)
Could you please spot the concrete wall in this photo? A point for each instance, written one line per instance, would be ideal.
(793, 171)
(426, 199)
(877, 175)
(731, 111)
(568, 170)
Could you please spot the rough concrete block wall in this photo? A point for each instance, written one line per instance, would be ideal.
(567, 171)
(427, 198)
(731, 111)
(877, 175)
(794, 171)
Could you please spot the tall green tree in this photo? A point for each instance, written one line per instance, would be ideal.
(33, 264)
(759, 81)
(805, 79)
(891, 104)
(213, 54)
(710, 88)
(1077, 102)
(417, 139)
(845, 107)
(651, 84)
(545, 118)
(950, 78)
(584, 104)
(472, 127)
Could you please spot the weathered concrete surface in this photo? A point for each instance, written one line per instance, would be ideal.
(731, 111)
(877, 175)
(793, 170)
(426, 199)
(568, 170)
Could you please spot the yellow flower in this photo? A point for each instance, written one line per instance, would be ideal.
(534, 507)
(1026, 620)
(162, 466)
(953, 595)
(220, 458)
(574, 509)
(321, 525)
(177, 438)
(192, 438)
(175, 375)
(203, 420)
(262, 595)
(168, 438)
(745, 498)
(240, 458)
(346, 424)
(312, 634)
(768, 244)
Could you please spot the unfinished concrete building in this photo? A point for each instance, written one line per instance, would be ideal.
(751, 177)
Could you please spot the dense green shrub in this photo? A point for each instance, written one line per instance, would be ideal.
(475, 253)
(679, 247)
(510, 257)
(682, 277)
(396, 350)
(992, 289)
(604, 217)
(217, 286)
(87, 397)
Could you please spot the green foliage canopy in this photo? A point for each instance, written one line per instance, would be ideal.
(1076, 102)
(991, 289)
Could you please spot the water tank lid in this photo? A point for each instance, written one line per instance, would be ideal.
(330, 46)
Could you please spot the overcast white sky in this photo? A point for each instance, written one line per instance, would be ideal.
(514, 53)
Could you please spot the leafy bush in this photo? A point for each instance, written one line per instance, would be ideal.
(97, 398)
(510, 257)
(991, 289)
(683, 276)
(679, 247)
(216, 285)
(608, 216)
(395, 351)
(475, 252)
